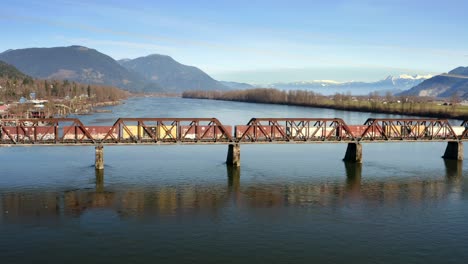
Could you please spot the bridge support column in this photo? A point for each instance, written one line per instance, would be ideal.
(233, 155)
(353, 153)
(454, 151)
(99, 162)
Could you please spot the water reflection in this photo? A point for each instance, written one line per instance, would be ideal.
(233, 176)
(353, 178)
(453, 169)
(194, 199)
(99, 180)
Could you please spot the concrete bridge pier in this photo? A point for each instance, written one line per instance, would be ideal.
(353, 153)
(454, 151)
(233, 155)
(99, 161)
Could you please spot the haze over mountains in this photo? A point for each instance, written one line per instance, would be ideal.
(161, 73)
(154, 73)
(392, 84)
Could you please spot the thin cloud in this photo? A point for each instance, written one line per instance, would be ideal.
(325, 59)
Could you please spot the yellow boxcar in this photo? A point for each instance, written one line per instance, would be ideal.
(132, 129)
(392, 131)
(167, 132)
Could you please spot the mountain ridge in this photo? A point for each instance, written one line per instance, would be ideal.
(75, 63)
(392, 84)
(453, 83)
(170, 74)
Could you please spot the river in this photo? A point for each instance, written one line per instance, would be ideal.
(181, 204)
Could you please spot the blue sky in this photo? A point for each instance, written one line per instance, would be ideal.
(255, 41)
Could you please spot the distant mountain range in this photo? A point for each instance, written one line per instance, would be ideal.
(160, 73)
(444, 85)
(392, 84)
(154, 73)
(237, 85)
(170, 74)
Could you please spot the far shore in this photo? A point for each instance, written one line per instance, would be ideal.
(410, 106)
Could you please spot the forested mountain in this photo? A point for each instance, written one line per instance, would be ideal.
(75, 63)
(171, 75)
(10, 72)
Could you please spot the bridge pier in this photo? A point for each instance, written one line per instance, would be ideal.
(233, 155)
(454, 151)
(99, 161)
(353, 153)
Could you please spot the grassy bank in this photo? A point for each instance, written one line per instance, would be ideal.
(416, 106)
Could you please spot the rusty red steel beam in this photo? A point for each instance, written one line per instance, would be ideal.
(167, 130)
(46, 131)
(408, 129)
(465, 133)
(210, 130)
(294, 130)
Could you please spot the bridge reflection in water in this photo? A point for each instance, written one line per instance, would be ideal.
(161, 201)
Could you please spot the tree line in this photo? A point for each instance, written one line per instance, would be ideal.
(13, 89)
(404, 105)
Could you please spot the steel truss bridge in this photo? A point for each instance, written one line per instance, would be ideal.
(132, 131)
(70, 131)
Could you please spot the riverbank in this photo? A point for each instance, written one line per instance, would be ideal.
(414, 106)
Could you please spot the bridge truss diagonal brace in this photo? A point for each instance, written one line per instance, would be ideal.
(353, 153)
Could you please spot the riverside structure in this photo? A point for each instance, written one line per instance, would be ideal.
(189, 131)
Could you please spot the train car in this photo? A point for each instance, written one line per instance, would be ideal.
(40, 133)
(392, 131)
(356, 130)
(161, 132)
(263, 133)
(97, 132)
(203, 132)
(313, 132)
(459, 130)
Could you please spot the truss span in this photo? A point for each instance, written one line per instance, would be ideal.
(71, 131)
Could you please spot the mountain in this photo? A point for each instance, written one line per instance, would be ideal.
(444, 85)
(237, 85)
(75, 63)
(392, 84)
(10, 72)
(171, 75)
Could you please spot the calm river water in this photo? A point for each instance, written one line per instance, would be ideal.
(181, 204)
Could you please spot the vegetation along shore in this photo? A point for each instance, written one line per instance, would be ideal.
(22, 96)
(402, 105)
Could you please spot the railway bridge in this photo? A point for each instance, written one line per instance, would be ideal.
(189, 131)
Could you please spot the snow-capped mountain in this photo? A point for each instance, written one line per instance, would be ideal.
(453, 83)
(393, 84)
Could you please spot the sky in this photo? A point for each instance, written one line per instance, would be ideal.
(255, 41)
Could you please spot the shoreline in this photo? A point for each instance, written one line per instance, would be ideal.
(362, 109)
